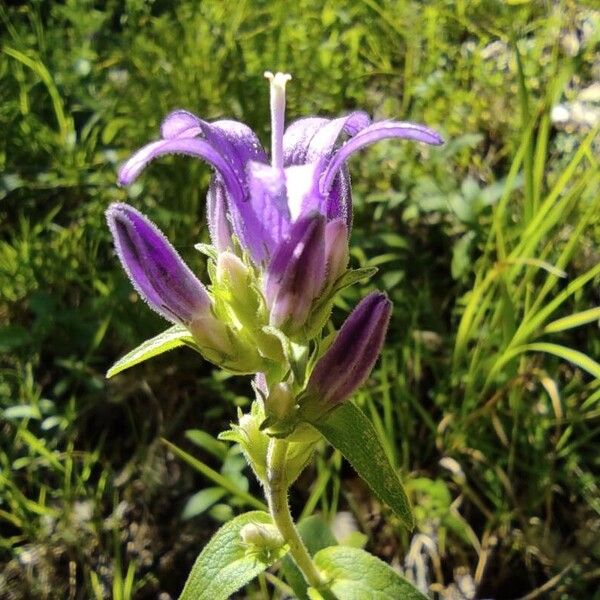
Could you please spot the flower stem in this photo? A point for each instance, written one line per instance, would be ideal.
(277, 497)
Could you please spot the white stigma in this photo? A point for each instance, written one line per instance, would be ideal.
(277, 83)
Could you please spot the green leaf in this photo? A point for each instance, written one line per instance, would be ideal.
(574, 320)
(574, 356)
(315, 533)
(207, 442)
(173, 337)
(225, 564)
(355, 575)
(349, 430)
(215, 476)
(202, 501)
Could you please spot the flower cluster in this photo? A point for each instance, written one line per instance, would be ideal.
(279, 254)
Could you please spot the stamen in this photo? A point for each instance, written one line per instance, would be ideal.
(277, 83)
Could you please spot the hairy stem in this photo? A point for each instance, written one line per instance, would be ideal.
(277, 497)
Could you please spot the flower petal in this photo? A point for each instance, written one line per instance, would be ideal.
(180, 123)
(310, 139)
(182, 145)
(315, 139)
(303, 195)
(155, 268)
(269, 219)
(227, 145)
(374, 133)
(217, 216)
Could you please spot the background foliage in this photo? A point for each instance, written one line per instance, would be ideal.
(487, 397)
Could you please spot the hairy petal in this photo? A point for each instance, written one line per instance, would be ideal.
(315, 139)
(297, 137)
(180, 123)
(155, 268)
(228, 146)
(336, 249)
(219, 225)
(310, 139)
(374, 133)
(188, 146)
(268, 199)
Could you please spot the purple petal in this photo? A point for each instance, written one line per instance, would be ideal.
(188, 146)
(315, 139)
(296, 273)
(270, 213)
(180, 123)
(155, 269)
(297, 137)
(374, 133)
(336, 249)
(217, 217)
(228, 146)
(349, 360)
(303, 195)
(310, 139)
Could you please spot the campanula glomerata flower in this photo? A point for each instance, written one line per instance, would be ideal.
(290, 215)
(258, 200)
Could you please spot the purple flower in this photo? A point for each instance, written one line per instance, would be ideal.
(257, 201)
(162, 279)
(349, 360)
(155, 269)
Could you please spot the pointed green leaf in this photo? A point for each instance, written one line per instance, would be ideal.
(574, 320)
(576, 357)
(226, 564)
(355, 575)
(173, 337)
(201, 501)
(352, 276)
(349, 430)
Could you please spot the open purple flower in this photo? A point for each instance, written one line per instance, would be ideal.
(258, 201)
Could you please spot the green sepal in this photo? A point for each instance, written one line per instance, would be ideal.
(354, 574)
(226, 564)
(173, 337)
(208, 250)
(323, 306)
(349, 430)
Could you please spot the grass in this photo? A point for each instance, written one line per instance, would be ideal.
(487, 395)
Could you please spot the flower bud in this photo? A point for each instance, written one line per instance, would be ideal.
(156, 271)
(280, 401)
(336, 249)
(296, 274)
(261, 536)
(234, 283)
(349, 360)
(212, 337)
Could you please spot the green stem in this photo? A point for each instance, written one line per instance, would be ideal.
(277, 498)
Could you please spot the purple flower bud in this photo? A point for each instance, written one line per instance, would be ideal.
(157, 272)
(349, 360)
(336, 249)
(296, 273)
